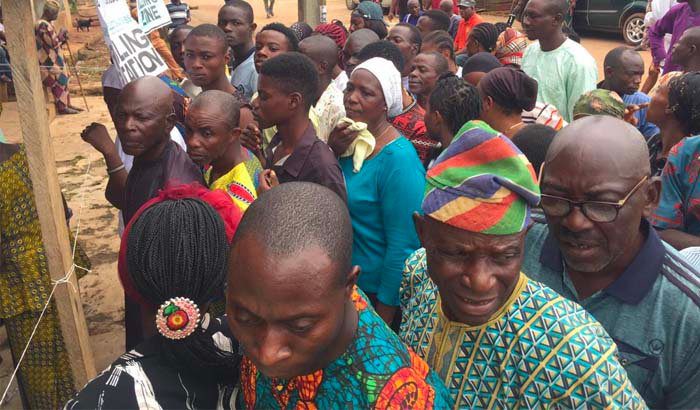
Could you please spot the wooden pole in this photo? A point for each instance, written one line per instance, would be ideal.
(31, 105)
(309, 11)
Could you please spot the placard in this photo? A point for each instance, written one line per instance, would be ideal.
(153, 14)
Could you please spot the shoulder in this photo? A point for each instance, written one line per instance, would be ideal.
(401, 153)
(536, 235)
(577, 53)
(636, 98)
(687, 148)
(417, 288)
(680, 286)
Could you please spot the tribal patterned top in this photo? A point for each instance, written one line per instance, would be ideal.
(377, 371)
(538, 351)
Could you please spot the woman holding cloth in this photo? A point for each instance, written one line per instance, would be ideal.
(386, 191)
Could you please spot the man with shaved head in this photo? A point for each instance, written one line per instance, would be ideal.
(598, 250)
(562, 67)
(213, 142)
(355, 43)
(143, 118)
(309, 337)
(686, 52)
(329, 108)
(624, 69)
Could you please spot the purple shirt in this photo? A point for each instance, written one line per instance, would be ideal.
(678, 19)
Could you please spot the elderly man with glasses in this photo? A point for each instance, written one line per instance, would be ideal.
(598, 250)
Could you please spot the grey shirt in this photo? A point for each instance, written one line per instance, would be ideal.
(244, 77)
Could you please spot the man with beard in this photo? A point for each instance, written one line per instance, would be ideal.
(236, 19)
(598, 250)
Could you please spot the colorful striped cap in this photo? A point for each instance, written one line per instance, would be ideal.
(481, 183)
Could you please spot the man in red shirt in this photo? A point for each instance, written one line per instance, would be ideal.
(467, 9)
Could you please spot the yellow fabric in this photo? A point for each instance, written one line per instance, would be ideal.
(237, 177)
(363, 145)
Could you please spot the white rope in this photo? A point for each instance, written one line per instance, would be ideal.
(65, 279)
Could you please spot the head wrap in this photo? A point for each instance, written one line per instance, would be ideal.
(664, 81)
(301, 30)
(390, 80)
(510, 88)
(600, 102)
(52, 5)
(370, 10)
(334, 32)
(510, 46)
(481, 183)
(480, 62)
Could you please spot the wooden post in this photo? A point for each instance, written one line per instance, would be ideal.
(309, 12)
(31, 105)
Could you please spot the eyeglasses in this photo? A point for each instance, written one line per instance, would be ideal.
(596, 211)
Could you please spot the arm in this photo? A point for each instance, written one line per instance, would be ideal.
(96, 135)
(401, 194)
(653, 76)
(656, 35)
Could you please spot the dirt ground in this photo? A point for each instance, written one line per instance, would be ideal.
(100, 289)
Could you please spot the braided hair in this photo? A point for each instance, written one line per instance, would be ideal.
(684, 101)
(486, 34)
(178, 248)
(456, 100)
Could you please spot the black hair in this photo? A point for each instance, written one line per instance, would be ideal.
(297, 215)
(242, 5)
(378, 27)
(227, 103)
(294, 72)
(210, 31)
(179, 28)
(684, 101)
(534, 140)
(301, 29)
(501, 27)
(287, 32)
(442, 40)
(441, 64)
(456, 100)
(485, 34)
(415, 34)
(614, 56)
(384, 49)
(440, 19)
(177, 248)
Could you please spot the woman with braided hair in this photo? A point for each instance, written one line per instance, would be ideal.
(482, 39)
(173, 261)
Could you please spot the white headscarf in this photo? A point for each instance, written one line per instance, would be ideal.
(390, 80)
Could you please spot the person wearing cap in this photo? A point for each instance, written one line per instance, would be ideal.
(497, 338)
(368, 14)
(467, 10)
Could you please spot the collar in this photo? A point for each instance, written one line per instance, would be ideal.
(636, 281)
(297, 158)
(235, 63)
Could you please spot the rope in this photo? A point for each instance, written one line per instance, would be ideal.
(65, 279)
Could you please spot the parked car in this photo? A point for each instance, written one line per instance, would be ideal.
(622, 16)
(352, 4)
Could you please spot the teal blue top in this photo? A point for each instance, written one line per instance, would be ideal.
(652, 312)
(382, 198)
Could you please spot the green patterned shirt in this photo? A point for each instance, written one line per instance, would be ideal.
(538, 351)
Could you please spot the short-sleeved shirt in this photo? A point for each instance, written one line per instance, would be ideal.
(376, 371)
(240, 183)
(143, 379)
(646, 128)
(411, 124)
(146, 178)
(463, 29)
(311, 161)
(563, 74)
(679, 206)
(411, 19)
(652, 312)
(539, 350)
(179, 13)
(243, 75)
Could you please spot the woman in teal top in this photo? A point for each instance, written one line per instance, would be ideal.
(387, 190)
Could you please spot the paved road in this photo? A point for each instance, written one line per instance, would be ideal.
(286, 12)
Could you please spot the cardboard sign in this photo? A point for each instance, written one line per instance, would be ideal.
(131, 50)
(153, 15)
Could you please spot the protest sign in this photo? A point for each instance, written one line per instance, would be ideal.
(131, 50)
(153, 15)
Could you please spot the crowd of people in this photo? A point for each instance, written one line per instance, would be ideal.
(444, 213)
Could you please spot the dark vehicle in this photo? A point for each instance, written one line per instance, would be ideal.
(615, 16)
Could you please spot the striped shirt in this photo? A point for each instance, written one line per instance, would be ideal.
(652, 312)
(179, 14)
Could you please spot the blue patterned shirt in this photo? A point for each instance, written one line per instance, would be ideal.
(538, 350)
